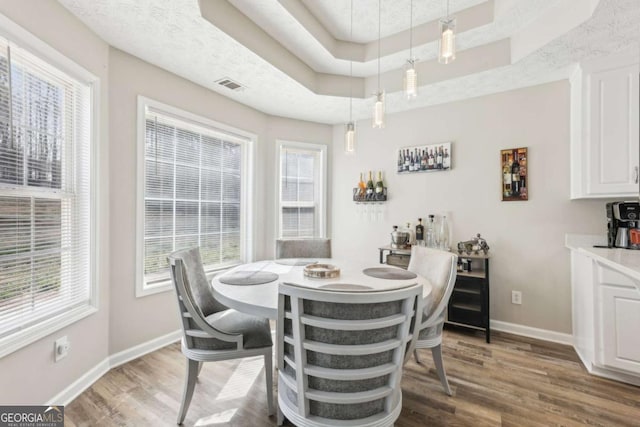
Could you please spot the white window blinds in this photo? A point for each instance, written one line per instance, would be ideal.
(192, 193)
(45, 139)
(301, 192)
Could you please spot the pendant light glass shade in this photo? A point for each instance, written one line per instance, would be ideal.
(378, 111)
(410, 74)
(350, 138)
(447, 42)
(410, 79)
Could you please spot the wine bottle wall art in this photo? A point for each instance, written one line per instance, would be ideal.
(424, 158)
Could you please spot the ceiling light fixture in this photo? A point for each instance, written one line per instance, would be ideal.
(350, 128)
(447, 42)
(378, 107)
(410, 73)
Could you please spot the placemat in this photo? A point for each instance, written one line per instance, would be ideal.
(389, 273)
(295, 261)
(248, 278)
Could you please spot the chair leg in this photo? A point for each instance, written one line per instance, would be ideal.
(415, 354)
(189, 385)
(280, 416)
(436, 352)
(268, 372)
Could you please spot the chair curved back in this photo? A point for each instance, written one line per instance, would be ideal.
(194, 297)
(341, 354)
(303, 248)
(440, 268)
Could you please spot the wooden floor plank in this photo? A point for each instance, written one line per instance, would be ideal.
(514, 381)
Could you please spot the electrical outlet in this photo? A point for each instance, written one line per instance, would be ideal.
(61, 348)
(516, 297)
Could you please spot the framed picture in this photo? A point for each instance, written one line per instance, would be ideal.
(425, 158)
(515, 182)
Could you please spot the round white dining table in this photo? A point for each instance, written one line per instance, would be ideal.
(262, 299)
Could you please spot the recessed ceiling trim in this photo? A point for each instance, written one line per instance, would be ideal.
(228, 18)
(474, 60)
(551, 24)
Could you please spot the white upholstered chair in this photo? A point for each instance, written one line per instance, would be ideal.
(341, 354)
(303, 248)
(439, 267)
(212, 331)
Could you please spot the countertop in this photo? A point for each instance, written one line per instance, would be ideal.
(626, 261)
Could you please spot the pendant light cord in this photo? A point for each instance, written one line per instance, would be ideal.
(379, 20)
(411, 30)
(351, 70)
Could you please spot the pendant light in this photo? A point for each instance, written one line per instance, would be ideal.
(378, 106)
(410, 73)
(447, 41)
(350, 128)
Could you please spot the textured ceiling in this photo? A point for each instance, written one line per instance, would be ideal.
(335, 15)
(173, 35)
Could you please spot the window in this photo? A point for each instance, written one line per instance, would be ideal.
(302, 171)
(46, 279)
(193, 192)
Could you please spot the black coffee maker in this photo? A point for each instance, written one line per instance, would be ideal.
(621, 217)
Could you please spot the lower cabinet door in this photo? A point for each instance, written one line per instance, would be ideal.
(466, 305)
(620, 325)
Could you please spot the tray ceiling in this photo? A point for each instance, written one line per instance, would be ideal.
(293, 56)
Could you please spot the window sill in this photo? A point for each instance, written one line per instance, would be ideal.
(166, 285)
(27, 336)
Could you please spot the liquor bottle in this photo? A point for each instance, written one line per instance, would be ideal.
(446, 161)
(423, 160)
(379, 184)
(419, 231)
(431, 232)
(506, 172)
(407, 160)
(412, 163)
(400, 161)
(362, 187)
(439, 157)
(370, 187)
(444, 233)
(431, 160)
(515, 176)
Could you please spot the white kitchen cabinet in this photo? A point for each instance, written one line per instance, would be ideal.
(605, 110)
(619, 321)
(605, 290)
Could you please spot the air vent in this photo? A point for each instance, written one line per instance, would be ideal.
(230, 84)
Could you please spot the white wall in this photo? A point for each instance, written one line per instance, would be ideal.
(526, 238)
(136, 320)
(29, 375)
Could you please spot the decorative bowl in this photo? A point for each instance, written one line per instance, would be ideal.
(321, 271)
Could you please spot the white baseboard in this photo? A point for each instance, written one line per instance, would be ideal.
(528, 331)
(85, 381)
(81, 384)
(144, 348)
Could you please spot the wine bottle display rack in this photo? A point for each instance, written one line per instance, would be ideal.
(358, 196)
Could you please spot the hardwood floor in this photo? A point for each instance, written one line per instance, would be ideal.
(513, 381)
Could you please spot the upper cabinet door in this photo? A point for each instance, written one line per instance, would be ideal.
(605, 154)
(612, 131)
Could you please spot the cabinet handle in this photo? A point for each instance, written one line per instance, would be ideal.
(636, 171)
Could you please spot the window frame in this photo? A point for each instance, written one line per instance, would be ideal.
(15, 34)
(245, 139)
(320, 200)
